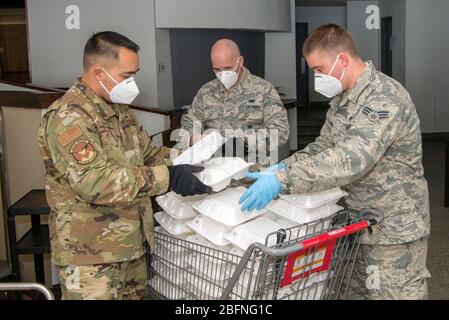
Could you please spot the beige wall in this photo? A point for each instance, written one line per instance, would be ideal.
(2, 235)
(25, 171)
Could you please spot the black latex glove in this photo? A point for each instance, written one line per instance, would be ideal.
(184, 182)
(234, 145)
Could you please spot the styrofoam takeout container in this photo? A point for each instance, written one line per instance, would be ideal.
(253, 231)
(224, 207)
(173, 226)
(202, 150)
(178, 207)
(176, 275)
(300, 215)
(314, 200)
(210, 229)
(217, 255)
(204, 266)
(218, 172)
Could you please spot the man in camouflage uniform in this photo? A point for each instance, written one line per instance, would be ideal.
(239, 105)
(370, 145)
(101, 169)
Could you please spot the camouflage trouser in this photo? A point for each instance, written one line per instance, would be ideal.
(395, 272)
(114, 281)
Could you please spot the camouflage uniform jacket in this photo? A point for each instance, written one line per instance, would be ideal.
(251, 104)
(101, 169)
(370, 145)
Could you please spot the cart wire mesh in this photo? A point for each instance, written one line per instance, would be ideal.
(307, 262)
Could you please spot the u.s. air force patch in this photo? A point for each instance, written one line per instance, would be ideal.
(375, 115)
(83, 151)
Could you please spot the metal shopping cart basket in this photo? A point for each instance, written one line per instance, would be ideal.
(306, 262)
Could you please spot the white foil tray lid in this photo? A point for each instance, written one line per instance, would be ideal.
(314, 200)
(218, 172)
(253, 231)
(202, 150)
(175, 227)
(210, 229)
(224, 207)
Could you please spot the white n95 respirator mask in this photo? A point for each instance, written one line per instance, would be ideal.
(228, 78)
(327, 85)
(124, 92)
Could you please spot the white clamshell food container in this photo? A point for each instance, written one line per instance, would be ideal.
(293, 212)
(210, 229)
(253, 231)
(175, 227)
(224, 207)
(178, 207)
(202, 150)
(314, 200)
(218, 172)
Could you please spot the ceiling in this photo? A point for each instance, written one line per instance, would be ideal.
(321, 2)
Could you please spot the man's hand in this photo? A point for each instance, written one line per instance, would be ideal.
(184, 182)
(263, 191)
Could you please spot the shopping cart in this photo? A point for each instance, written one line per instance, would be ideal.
(305, 262)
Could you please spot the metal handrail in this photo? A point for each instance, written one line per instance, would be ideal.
(22, 286)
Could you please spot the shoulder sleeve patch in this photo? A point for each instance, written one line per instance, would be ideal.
(69, 135)
(83, 152)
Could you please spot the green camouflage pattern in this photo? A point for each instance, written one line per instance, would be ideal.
(115, 281)
(370, 146)
(251, 105)
(101, 170)
(394, 272)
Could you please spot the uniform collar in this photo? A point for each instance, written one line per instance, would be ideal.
(237, 89)
(354, 94)
(104, 109)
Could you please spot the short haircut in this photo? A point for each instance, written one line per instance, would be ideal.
(330, 38)
(106, 44)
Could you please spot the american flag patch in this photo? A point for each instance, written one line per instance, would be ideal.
(69, 135)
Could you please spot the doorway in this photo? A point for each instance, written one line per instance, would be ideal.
(387, 50)
(302, 70)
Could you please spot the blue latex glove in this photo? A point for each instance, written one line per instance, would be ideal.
(265, 189)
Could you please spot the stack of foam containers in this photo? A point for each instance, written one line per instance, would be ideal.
(177, 212)
(218, 215)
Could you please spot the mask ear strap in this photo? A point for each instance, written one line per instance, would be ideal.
(343, 74)
(236, 65)
(110, 76)
(102, 85)
(335, 64)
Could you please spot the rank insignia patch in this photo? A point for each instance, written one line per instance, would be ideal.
(83, 152)
(374, 115)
